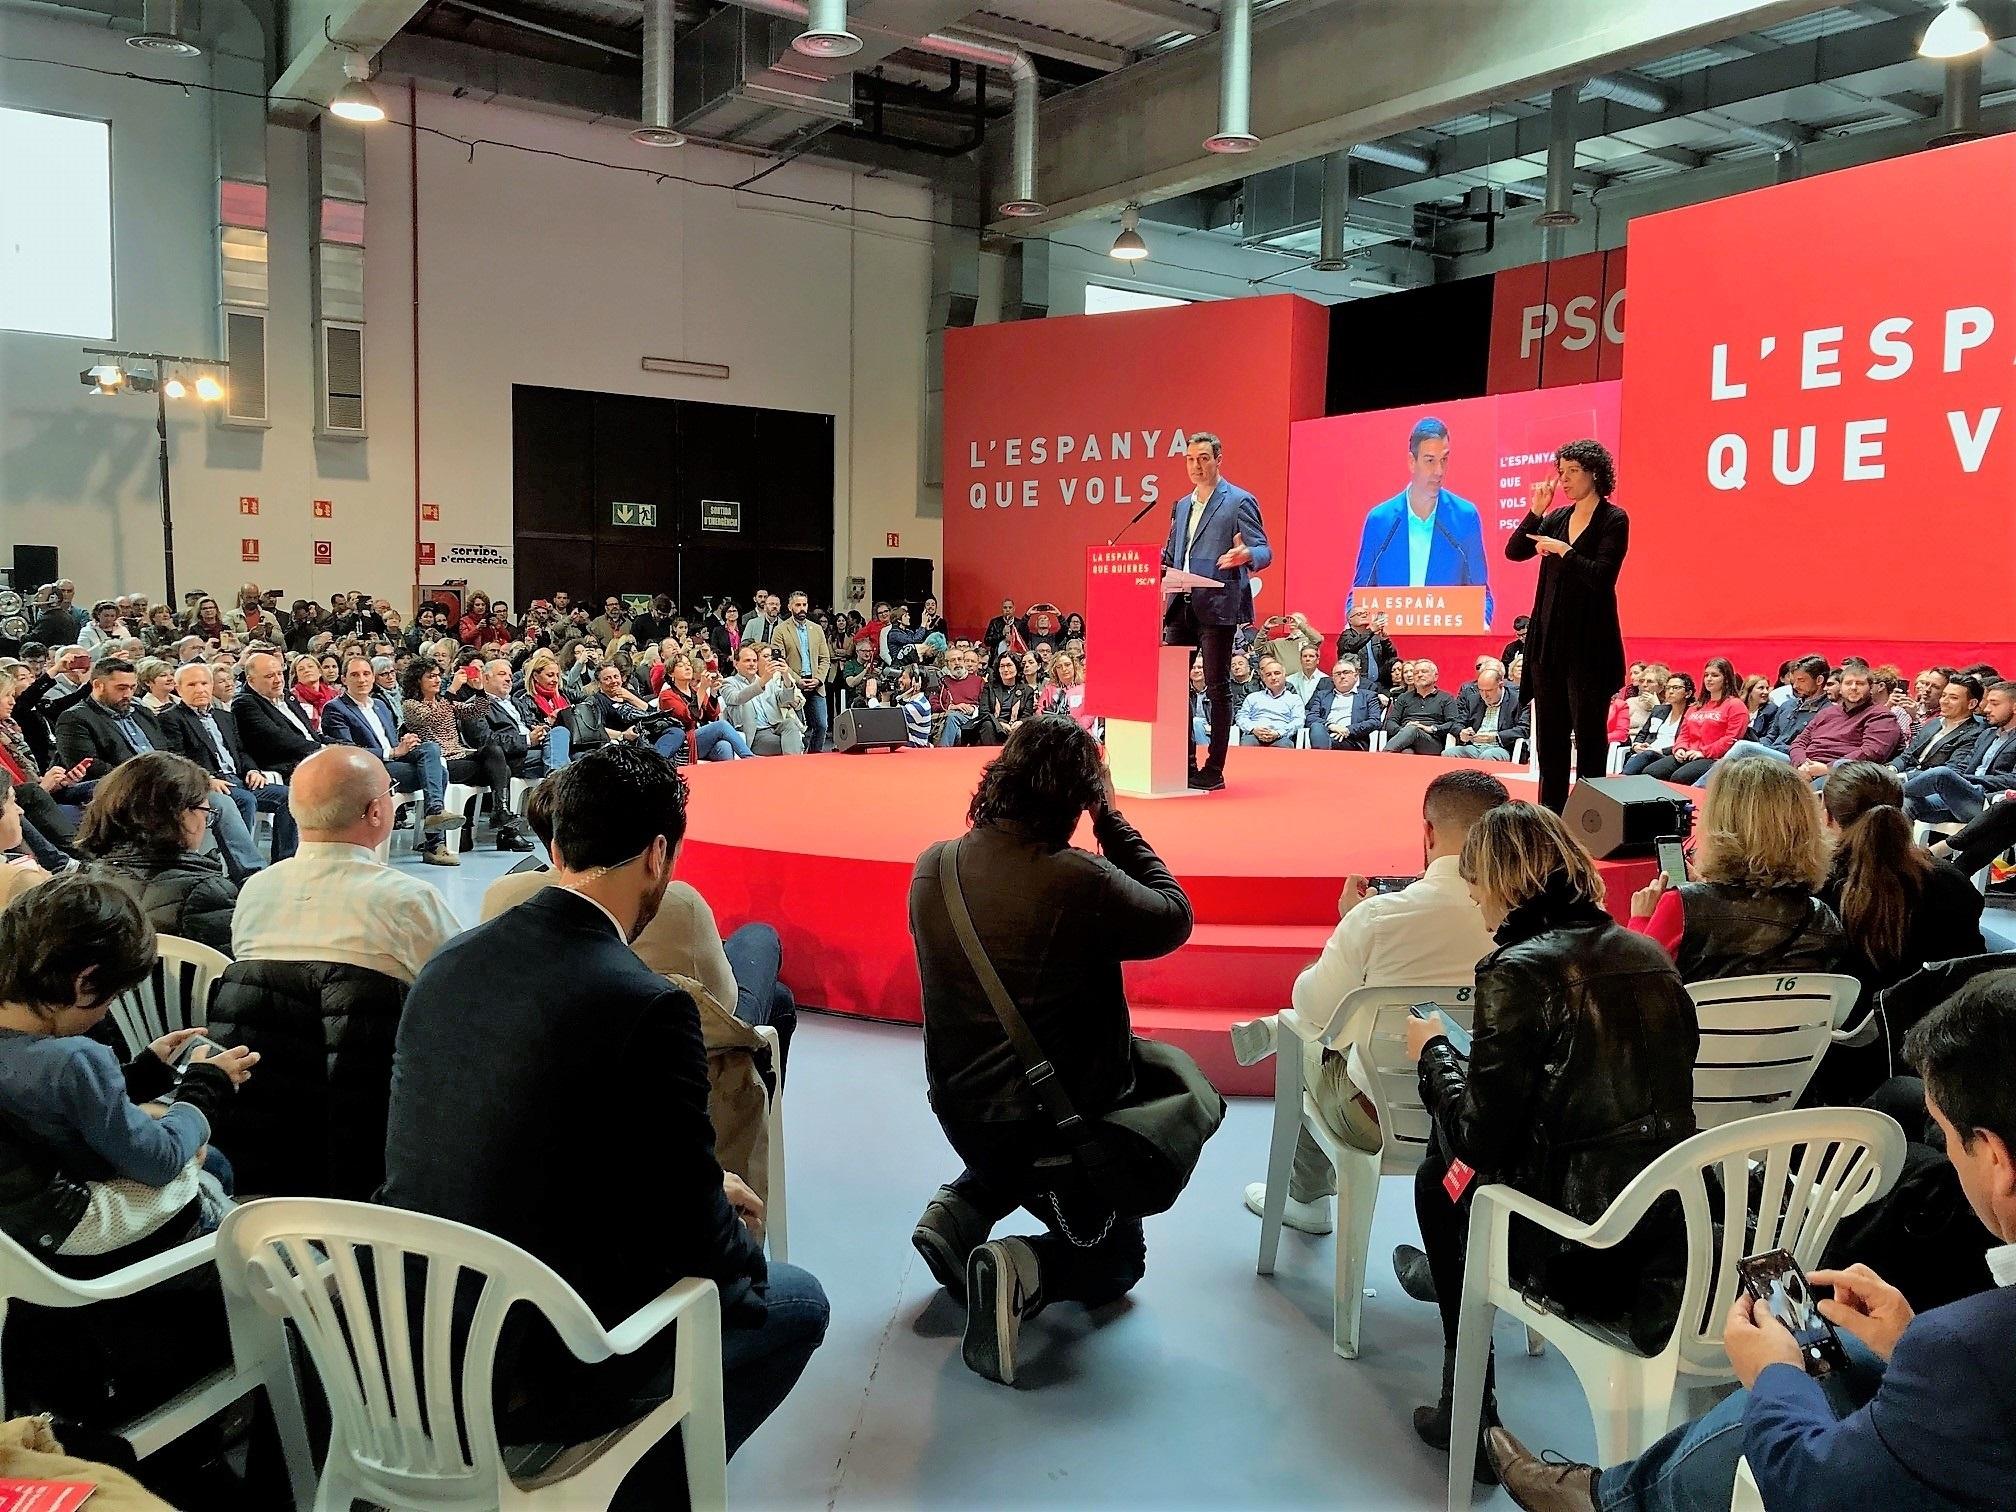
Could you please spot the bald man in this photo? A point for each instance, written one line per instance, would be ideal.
(334, 900)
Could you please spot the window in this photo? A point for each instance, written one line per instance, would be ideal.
(55, 225)
(1104, 299)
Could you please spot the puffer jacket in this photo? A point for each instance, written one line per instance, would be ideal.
(1581, 1074)
(183, 893)
(310, 1121)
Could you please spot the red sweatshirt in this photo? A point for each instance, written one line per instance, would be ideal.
(1712, 728)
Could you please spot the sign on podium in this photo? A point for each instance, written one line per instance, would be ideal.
(1139, 686)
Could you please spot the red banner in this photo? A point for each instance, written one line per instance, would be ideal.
(1557, 323)
(1123, 598)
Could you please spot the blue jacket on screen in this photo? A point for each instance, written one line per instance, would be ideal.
(1456, 556)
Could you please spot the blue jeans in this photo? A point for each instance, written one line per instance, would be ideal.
(815, 722)
(1200, 730)
(1482, 752)
(273, 799)
(550, 754)
(425, 770)
(756, 956)
(231, 834)
(1744, 748)
(1941, 793)
(956, 726)
(1693, 1468)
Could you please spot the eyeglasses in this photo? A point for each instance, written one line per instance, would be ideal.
(209, 814)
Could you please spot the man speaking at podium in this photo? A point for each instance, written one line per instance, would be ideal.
(1215, 533)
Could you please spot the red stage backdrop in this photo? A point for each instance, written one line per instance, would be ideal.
(1818, 443)
(1057, 431)
(1557, 323)
(1499, 446)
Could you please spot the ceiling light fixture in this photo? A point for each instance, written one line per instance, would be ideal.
(1956, 32)
(1128, 246)
(105, 377)
(208, 389)
(826, 34)
(175, 388)
(356, 100)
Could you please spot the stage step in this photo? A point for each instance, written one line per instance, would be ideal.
(1223, 973)
(1202, 1032)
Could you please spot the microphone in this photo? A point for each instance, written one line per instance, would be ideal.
(1114, 539)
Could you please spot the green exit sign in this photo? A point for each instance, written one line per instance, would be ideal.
(645, 515)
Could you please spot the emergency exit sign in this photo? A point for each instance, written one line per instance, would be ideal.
(645, 515)
(721, 514)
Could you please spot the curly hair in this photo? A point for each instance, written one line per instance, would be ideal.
(1594, 458)
(1047, 775)
(415, 674)
(139, 805)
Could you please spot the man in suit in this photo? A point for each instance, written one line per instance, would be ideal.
(208, 735)
(364, 717)
(802, 644)
(1493, 719)
(1949, 738)
(1944, 793)
(273, 725)
(1344, 711)
(551, 1089)
(1925, 1415)
(1424, 535)
(1215, 532)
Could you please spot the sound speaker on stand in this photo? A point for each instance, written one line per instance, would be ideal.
(868, 729)
(1623, 816)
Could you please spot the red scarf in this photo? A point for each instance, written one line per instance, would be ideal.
(549, 704)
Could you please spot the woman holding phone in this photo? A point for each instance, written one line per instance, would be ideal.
(1574, 645)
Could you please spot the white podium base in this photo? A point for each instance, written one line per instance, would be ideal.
(1152, 759)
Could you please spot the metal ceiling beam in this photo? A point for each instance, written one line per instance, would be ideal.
(1047, 43)
(313, 37)
(1174, 14)
(1137, 135)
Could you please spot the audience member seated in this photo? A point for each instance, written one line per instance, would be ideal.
(1005, 702)
(47, 830)
(435, 720)
(1271, 716)
(1948, 738)
(913, 697)
(157, 684)
(276, 729)
(1791, 709)
(1857, 728)
(1065, 693)
(64, 681)
(1343, 712)
(1055, 923)
(1945, 793)
(334, 900)
(548, 1079)
(1708, 730)
(1978, 843)
(1493, 718)
(958, 697)
(365, 716)
(202, 731)
(1243, 684)
(142, 830)
(1582, 1073)
(1922, 1418)
(18, 872)
(1750, 906)
(1428, 934)
(691, 696)
(309, 691)
(1306, 671)
(1364, 636)
(1421, 718)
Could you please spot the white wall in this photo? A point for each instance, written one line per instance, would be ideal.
(532, 270)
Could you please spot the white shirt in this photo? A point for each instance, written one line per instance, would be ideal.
(1198, 504)
(621, 934)
(369, 709)
(1429, 934)
(337, 902)
(2002, 1264)
(1420, 539)
(288, 715)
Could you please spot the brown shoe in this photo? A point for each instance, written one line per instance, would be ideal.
(1536, 1484)
(440, 855)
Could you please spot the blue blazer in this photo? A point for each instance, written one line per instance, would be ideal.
(1456, 556)
(1230, 509)
(343, 725)
(1366, 715)
(1940, 1432)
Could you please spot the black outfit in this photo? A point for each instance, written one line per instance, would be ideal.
(1581, 1074)
(182, 893)
(187, 737)
(1984, 838)
(1000, 705)
(1436, 714)
(1376, 654)
(40, 705)
(1732, 931)
(998, 628)
(1511, 714)
(1182, 627)
(87, 728)
(1574, 644)
(312, 1122)
(1056, 922)
(273, 744)
(1955, 747)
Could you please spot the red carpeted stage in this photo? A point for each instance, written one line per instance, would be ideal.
(823, 849)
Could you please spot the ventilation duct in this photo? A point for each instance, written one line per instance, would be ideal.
(1559, 209)
(162, 30)
(1783, 137)
(337, 285)
(657, 129)
(1025, 280)
(1330, 249)
(1394, 155)
(1960, 111)
(1235, 80)
(1634, 90)
(826, 34)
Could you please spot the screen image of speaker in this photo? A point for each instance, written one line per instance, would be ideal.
(1622, 816)
(870, 730)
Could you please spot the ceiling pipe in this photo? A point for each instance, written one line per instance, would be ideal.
(1634, 90)
(163, 29)
(1336, 212)
(1779, 138)
(1021, 69)
(1560, 204)
(1235, 80)
(1960, 110)
(826, 34)
(540, 28)
(1394, 155)
(656, 128)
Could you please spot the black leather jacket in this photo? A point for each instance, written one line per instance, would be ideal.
(1733, 931)
(1582, 1072)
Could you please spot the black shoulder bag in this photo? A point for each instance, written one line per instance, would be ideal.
(1139, 1157)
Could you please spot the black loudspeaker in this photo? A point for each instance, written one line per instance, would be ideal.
(867, 729)
(1622, 816)
(900, 580)
(34, 566)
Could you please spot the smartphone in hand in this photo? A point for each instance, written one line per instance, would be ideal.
(1672, 860)
(1778, 1285)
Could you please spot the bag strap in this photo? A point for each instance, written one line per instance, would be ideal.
(1036, 1066)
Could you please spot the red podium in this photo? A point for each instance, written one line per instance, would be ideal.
(1139, 686)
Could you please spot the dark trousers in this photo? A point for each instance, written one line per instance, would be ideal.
(1445, 1235)
(45, 813)
(486, 768)
(1563, 710)
(1181, 627)
(756, 955)
(1088, 1254)
(1986, 836)
(1667, 768)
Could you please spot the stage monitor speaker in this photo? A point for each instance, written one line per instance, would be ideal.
(1623, 816)
(33, 566)
(899, 580)
(870, 730)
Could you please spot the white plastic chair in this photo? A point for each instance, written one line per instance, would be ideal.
(1762, 1038)
(394, 1437)
(176, 996)
(1376, 1020)
(1815, 1166)
(521, 792)
(776, 1226)
(458, 798)
(259, 1356)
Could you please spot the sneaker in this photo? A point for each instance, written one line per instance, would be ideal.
(1002, 1288)
(1312, 1217)
(1253, 1041)
(443, 821)
(947, 1233)
(440, 855)
(1204, 780)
